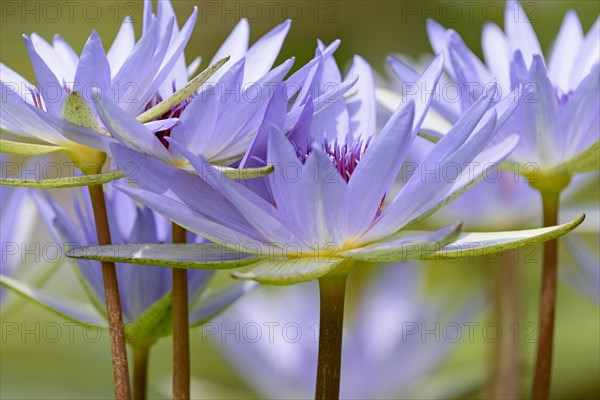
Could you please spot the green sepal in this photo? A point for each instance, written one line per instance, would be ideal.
(472, 244)
(290, 271)
(65, 182)
(586, 161)
(184, 255)
(394, 249)
(245, 173)
(26, 149)
(77, 111)
(154, 323)
(179, 96)
(430, 137)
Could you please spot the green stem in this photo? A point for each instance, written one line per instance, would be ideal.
(140, 371)
(113, 302)
(543, 365)
(181, 339)
(332, 292)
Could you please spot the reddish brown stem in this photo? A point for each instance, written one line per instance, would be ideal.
(113, 302)
(504, 382)
(181, 339)
(332, 292)
(140, 371)
(543, 365)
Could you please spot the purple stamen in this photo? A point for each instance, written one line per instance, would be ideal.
(37, 98)
(174, 112)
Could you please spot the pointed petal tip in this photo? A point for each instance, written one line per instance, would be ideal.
(285, 24)
(431, 23)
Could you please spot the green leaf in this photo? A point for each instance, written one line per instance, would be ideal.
(179, 96)
(65, 182)
(290, 272)
(75, 311)
(245, 173)
(187, 256)
(76, 110)
(26, 149)
(472, 244)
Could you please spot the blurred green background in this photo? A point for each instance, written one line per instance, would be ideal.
(75, 368)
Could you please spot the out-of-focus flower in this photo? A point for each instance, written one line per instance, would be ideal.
(385, 354)
(145, 291)
(504, 200)
(41, 119)
(558, 118)
(584, 274)
(23, 255)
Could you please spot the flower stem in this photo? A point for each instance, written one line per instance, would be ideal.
(113, 302)
(504, 382)
(332, 292)
(181, 339)
(140, 371)
(543, 365)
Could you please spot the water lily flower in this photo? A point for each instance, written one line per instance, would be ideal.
(337, 207)
(558, 121)
(42, 119)
(21, 257)
(222, 120)
(505, 200)
(276, 350)
(558, 118)
(144, 291)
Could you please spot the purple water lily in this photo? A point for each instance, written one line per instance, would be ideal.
(15, 230)
(21, 259)
(317, 219)
(558, 119)
(131, 73)
(221, 122)
(144, 291)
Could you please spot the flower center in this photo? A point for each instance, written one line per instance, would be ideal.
(562, 98)
(37, 97)
(344, 156)
(174, 112)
